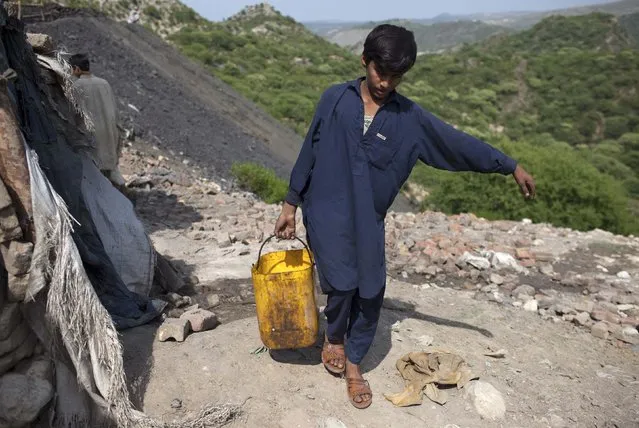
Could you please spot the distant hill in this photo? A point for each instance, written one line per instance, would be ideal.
(430, 38)
(570, 77)
(350, 34)
(524, 20)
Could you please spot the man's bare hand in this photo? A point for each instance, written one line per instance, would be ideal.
(285, 225)
(525, 182)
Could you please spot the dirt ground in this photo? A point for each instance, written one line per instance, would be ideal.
(553, 374)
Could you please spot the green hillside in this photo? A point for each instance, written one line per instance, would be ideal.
(271, 59)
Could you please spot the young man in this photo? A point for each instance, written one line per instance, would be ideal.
(96, 98)
(362, 144)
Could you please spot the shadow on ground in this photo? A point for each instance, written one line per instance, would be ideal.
(394, 310)
(161, 210)
(137, 346)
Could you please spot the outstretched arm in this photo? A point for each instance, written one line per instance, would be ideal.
(444, 147)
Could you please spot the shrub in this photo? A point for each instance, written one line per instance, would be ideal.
(261, 181)
(571, 192)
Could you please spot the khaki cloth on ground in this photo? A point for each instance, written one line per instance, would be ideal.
(96, 98)
(424, 370)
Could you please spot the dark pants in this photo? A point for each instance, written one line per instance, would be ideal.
(356, 318)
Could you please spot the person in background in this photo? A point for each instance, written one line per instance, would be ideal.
(95, 97)
(362, 144)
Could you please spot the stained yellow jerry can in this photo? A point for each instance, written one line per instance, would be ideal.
(287, 312)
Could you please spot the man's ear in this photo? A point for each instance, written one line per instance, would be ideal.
(363, 61)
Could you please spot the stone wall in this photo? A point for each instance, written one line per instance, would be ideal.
(26, 371)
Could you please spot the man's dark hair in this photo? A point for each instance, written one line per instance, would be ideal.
(392, 48)
(81, 61)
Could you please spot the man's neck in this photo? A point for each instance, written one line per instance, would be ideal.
(366, 94)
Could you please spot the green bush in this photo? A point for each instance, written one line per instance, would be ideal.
(261, 181)
(153, 13)
(571, 192)
(184, 15)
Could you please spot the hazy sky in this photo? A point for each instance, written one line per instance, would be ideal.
(373, 10)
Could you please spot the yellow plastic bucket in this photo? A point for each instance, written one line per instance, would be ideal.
(287, 313)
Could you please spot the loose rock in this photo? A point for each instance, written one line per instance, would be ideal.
(584, 306)
(331, 423)
(505, 261)
(474, 261)
(523, 254)
(600, 330)
(200, 319)
(547, 269)
(524, 289)
(212, 300)
(628, 335)
(583, 318)
(531, 306)
(602, 315)
(174, 328)
(487, 400)
(496, 279)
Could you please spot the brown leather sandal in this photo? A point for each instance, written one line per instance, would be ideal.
(332, 352)
(357, 388)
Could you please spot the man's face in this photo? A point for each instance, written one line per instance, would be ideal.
(380, 85)
(75, 70)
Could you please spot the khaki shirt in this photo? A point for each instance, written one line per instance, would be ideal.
(96, 98)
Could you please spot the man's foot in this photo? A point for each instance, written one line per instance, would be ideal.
(358, 389)
(333, 357)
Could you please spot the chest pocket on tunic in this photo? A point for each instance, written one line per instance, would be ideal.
(381, 152)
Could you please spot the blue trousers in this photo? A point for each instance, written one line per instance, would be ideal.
(352, 318)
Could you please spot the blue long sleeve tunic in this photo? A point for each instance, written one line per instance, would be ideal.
(345, 180)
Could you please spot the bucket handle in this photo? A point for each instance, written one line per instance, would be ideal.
(259, 254)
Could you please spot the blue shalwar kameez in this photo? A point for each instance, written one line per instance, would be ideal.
(345, 181)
